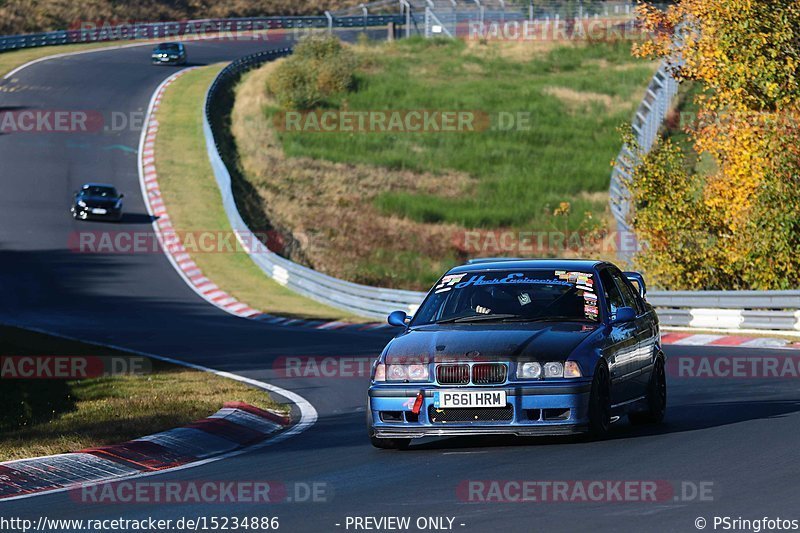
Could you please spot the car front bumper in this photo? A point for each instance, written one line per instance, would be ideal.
(554, 408)
(167, 60)
(112, 213)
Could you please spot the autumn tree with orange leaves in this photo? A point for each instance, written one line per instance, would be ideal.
(739, 226)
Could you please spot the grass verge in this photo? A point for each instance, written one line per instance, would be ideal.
(194, 202)
(49, 416)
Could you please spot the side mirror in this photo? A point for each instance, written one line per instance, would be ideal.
(122, 196)
(398, 318)
(624, 314)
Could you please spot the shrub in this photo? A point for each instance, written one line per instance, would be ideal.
(319, 69)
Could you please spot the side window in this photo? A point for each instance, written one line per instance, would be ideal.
(629, 296)
(613, 296)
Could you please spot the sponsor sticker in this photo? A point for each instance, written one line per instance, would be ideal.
(448, 282)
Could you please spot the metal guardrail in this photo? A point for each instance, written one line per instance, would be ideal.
(189, 28)
(774, 310)
(646, 124)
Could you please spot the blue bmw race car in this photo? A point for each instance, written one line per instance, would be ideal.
(522, 347)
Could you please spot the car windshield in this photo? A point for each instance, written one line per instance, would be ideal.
(99, 191)
(513, 295)
(169, 47)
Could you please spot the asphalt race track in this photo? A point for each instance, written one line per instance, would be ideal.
(739, 435)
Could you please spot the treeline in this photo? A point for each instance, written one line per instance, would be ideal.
(28, 16)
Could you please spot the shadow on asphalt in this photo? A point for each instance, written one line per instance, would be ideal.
(137, 218)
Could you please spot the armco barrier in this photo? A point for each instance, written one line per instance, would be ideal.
(362, 300)
(204, 27)
(645, 126)
(769, 310)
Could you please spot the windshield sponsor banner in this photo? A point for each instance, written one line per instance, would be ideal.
(560, 277)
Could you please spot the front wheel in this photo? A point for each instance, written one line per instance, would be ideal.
(656, 397)
(390, 444)
(600, 403)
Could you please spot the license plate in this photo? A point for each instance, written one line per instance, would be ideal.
(471, 399)
(98, 211)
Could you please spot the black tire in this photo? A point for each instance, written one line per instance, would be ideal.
(600, 403)
(656, 398)
(390, 444)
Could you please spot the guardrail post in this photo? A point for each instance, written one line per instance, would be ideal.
(365, 13)
(330, 21)
(405, 5)
(480, 9)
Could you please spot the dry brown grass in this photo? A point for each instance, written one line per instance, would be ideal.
(328, 207)
(580, 100)
(521, 50)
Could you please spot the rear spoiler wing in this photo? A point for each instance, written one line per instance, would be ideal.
(638, 282)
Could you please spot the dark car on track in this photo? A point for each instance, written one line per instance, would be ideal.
(97, 200)
(521, 347)
(169, 54)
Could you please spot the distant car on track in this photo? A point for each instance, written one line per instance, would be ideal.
(522, 347)
(97, 200)
(169, 54)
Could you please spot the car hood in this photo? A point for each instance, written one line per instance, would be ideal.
(93, 201)
(491, 342)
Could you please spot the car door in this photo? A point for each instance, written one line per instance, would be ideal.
(644, 326)
(622, 344)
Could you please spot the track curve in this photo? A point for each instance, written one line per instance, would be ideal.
(740, 435)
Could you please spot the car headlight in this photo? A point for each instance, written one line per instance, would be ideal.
(529, 371)
(551, 369)
(81, 203)
(572, 370)
(379, 372)
(385, 372)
